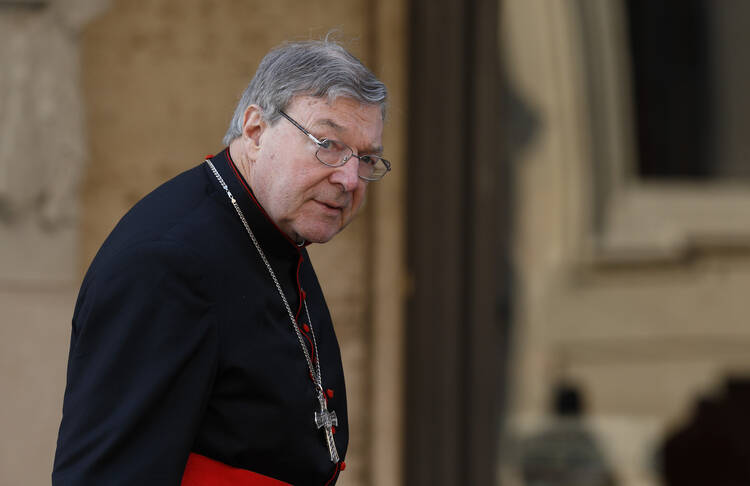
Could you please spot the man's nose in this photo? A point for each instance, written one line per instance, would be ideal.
(347, 175)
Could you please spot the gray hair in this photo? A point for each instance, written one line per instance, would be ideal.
(319, 68)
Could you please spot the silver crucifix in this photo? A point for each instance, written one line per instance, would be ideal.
(325, 419)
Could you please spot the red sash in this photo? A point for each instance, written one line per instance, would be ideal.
(202, 471)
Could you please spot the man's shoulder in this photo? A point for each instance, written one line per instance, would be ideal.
(169, 204)
(175, 219)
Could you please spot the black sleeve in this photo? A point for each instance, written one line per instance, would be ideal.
(143, 356)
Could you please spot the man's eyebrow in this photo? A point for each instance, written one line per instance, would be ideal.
(374, 150)
(329, 123)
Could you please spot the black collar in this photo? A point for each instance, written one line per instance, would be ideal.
(272, 240)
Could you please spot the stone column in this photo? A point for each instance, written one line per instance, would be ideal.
(42, 154)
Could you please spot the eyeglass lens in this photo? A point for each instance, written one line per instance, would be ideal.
(334, 153)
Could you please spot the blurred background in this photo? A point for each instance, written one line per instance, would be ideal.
(551, 286)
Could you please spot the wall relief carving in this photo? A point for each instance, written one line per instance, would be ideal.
(42, 135)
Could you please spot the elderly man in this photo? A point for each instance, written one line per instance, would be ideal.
(202, 350)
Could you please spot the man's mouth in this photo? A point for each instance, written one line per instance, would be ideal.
(331, 206)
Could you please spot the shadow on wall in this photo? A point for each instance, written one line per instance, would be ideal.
(713, 448)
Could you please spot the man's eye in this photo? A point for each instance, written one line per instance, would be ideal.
(325, 143)
(367, 159)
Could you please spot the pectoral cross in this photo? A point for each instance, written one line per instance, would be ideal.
(326, 420)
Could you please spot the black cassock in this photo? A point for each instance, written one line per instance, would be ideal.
(181, 344)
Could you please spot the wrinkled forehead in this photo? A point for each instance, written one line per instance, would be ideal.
(342, 117)
(333, 97)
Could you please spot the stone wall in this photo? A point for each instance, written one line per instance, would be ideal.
(42, 156)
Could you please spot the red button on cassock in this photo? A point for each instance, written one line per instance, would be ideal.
(343, 466)
(329, 392)
(305, 328)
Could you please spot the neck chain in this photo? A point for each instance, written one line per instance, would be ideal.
(323, 418)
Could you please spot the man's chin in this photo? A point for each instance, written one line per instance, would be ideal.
(319, 235)
(320, 239)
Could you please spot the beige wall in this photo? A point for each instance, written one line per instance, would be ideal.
(42, 154)
(647, 311)
(160, 79)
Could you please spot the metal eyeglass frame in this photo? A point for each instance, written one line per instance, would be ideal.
(322, 144)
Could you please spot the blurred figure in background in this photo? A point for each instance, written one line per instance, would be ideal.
(565, 453)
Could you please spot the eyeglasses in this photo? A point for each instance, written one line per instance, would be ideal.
(335, 154)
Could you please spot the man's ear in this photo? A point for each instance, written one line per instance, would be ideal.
(253, 126)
